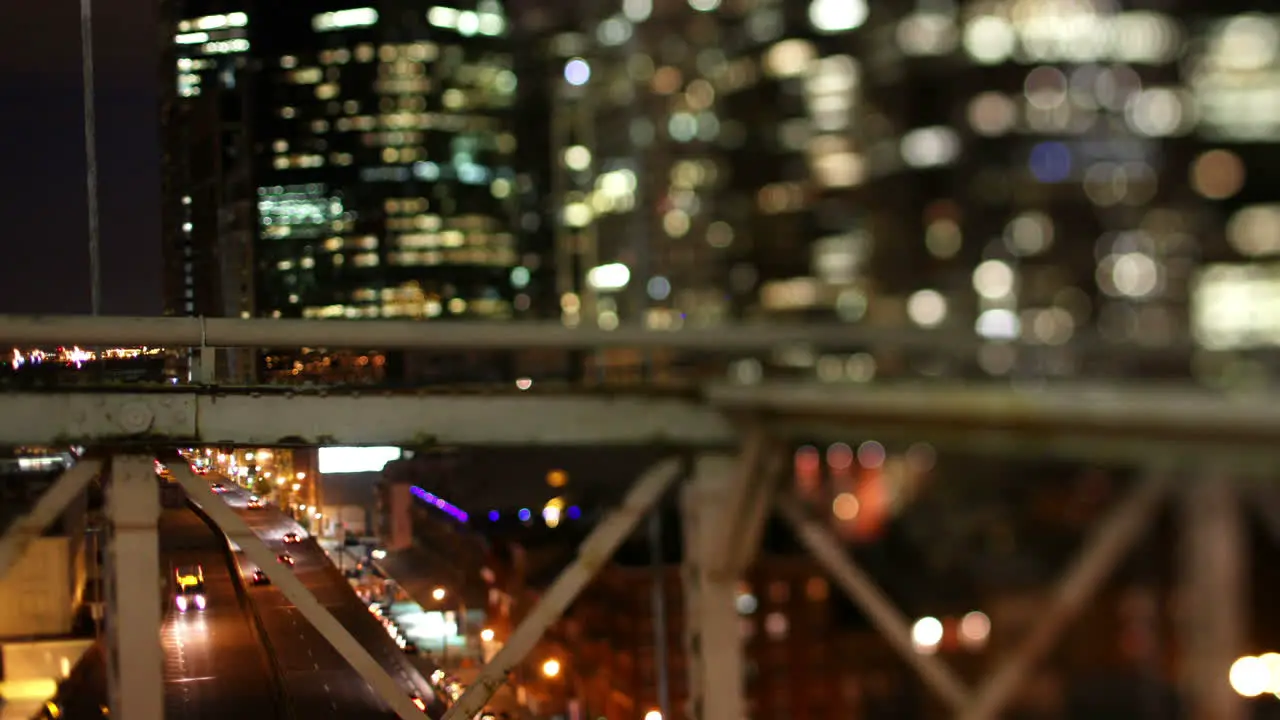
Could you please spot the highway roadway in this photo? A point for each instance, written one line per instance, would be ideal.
(214, 667)
(318, 681)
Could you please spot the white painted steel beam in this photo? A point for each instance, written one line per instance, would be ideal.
(416, 419)
(1214, 594)
(51, 504)
(713, 637)
(135, 659)
(1105, 548)
(1163, 412)
(1243, 456)
(863, 591)
(292, 588)
(746, 505)
(175, 332)
(593, 554)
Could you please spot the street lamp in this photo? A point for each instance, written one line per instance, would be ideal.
(486, 635)
(438, 594)
(653, 715)
(551, 668)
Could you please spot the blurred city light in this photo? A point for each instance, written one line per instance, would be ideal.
(577, 72)
(926, 635)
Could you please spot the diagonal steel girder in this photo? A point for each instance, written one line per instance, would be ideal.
(593, 554)
(858, 585)
(742, 520)
(257, 551)
(1102, 551)
(51, 504)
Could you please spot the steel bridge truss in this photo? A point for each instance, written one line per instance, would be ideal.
(725, 500)
(1202, 451)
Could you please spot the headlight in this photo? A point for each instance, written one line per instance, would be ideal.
(200, 601)
(182, 603)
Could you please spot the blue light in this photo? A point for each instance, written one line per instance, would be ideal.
(525, 515)
(1050, 162)
(493, 516)
(574, 512)
(439, 503)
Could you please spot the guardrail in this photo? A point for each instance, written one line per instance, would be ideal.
(541, 356)
(280, 697)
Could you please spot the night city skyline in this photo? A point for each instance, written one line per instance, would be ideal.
(708, 359)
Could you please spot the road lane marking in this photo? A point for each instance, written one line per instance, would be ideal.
(194, 679)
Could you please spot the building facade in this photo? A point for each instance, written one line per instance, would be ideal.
(333, 162)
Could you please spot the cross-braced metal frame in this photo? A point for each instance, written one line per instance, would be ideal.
(1204, 447)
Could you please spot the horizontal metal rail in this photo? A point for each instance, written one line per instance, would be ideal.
(176, 332)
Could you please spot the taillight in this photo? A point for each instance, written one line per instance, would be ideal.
(420, 704)
(182, 603)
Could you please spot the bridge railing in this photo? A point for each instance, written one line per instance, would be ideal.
(548, 357)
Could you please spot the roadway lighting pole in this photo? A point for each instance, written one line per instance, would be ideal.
(91, 154)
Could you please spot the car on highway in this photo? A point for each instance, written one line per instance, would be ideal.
(218, 488)
(255, 503)
(285, 559)
(258, 577)
(189, 584)
(292, 538)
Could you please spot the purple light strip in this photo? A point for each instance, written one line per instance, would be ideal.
(439, 503)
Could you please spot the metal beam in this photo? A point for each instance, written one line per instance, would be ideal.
(136, 661)
(747, 505)
(1102, 552)
(51, 504)
(292, 588)
(1214, 595)
(1153, 412)
(411, 420)
(593, 554)
(1242, 456)
(863, 591)
(713, 638)
(175, 332)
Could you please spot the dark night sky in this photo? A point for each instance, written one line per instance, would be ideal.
(44, 253)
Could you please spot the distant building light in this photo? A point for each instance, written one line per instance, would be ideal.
(613, 276)
(577, 72)
(357, 17)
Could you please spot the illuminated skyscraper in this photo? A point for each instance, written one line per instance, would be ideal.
(210, 220)
(208, 227)
(385, 182)
(346, 163)
(639, 171)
